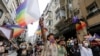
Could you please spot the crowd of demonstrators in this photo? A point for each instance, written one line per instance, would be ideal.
(22, 49)
(61, 48)
(38, 48)
(4, 48)
(53, 47)
(75, 47)
(25, 49)
(72, 47)
(96, 50)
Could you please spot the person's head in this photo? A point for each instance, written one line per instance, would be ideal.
(23, 45)
(62, 42)
(50, 36)
(85, 43)
(71, 38)
(1, 43)
(30, 44)
(57, 39)
(76, 42)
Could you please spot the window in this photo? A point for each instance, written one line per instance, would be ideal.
(57, 14)
(70, 1)
(76, 12)
(92, 9)
(1, 13)
(62, 13)
(50, 22)
(56, 1)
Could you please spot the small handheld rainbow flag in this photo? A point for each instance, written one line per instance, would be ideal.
(39, 31)
(17, 30)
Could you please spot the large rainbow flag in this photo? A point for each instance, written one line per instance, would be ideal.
(27, 12)
(17, 30)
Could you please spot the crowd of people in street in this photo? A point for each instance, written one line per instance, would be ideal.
(72, 47)
(24, 49)
(53, 46)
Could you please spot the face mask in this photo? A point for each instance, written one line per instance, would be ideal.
(52, 40)
(23, 47)
(7, 48)
(86, 44)
(42, 47)
(1, 44)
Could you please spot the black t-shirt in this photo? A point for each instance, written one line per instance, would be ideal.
(96, 51)
(75, 51)
(19, 52)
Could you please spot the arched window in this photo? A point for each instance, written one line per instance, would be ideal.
(1, 12)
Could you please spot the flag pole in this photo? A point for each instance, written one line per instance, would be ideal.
(42, 29)
(43, 36)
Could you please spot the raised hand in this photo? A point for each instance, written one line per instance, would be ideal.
(41, 22)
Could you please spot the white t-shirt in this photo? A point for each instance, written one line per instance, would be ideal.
(50, 50)
(85, 51)
(53, 50)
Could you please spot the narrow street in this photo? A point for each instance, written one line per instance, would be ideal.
(49, 27)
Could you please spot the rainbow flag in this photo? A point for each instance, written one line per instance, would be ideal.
(27, 12)
(17, 30)
(39, 31)
(20, 12)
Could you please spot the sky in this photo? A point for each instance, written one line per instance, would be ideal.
(34, 27)
(42, 5)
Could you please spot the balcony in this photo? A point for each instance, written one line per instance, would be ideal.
(60, 17)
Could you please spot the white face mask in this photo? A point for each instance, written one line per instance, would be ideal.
(42, 47)
(86, 44)
(23, 47)
(1, 43)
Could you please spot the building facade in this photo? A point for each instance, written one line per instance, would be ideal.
(91, 12)
(65, 11)
(55, 16)
(8, 11)
(49, 16)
